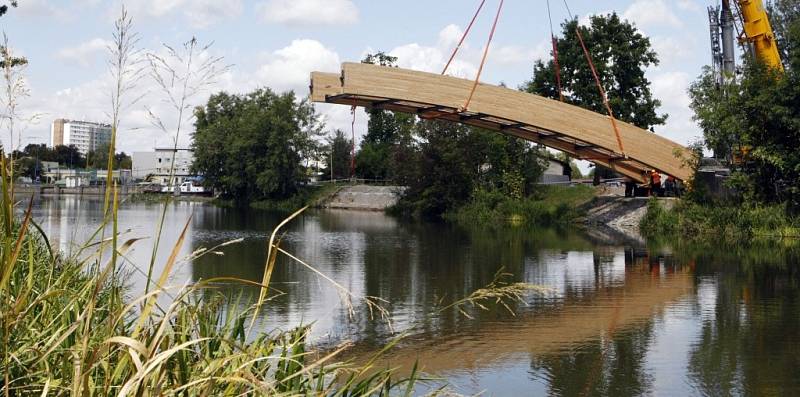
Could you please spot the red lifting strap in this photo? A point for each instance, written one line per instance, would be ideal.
(463, 37)
(555, 54)
(600, 88)
(483, 60)
(353, 142)
(597, 80)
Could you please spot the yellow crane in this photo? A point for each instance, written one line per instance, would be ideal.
(758, 31)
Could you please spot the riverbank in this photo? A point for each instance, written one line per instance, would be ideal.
(307, 196)
(66, 327)
(715, 223)
(361, 198)
(549, 206)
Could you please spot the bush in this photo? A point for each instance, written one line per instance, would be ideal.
(713, 223)
(550, 206)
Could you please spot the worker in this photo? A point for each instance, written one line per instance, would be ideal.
(630, 188)
(655, 183)
(670, 187)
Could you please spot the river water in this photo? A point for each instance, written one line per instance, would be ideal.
(613, 316)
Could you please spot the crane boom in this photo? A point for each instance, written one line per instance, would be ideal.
(759, 32)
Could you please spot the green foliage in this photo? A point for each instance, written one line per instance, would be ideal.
(99, 159)
(716, 223)
(384, 150)
(4, 8)
(380, 58)
(249, 146)
(621, 55)
(29, 160)
(65, 156)
(338, 156)
(759, 113)
(782, 15)
(373, 161)
(68, 330)
(550, 206)
(454, 160)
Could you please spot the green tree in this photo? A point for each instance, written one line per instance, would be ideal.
(621, 54)
(782, 14)
(338, 156)
(123, 161)
(385, 143)
(98, 158)
(250, 146)
(69, 156)
(454, 160)
(39, 151)
(5, 7)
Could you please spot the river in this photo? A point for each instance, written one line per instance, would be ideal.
(612, 317)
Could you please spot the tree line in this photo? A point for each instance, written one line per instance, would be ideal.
(29, 160)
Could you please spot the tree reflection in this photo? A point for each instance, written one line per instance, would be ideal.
(750, 338)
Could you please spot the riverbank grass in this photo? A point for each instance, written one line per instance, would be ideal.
(548, 206)
(310, 195)
(714, 223)
(71, 327)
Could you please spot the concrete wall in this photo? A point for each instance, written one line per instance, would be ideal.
(364, 198)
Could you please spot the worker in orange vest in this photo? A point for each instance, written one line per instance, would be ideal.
(655, 183)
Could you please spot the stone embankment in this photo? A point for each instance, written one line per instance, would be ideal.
(621, 214)
(363, 198)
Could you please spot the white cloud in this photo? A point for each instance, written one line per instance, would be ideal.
(586, 20)
(517, 54)
(671, 50)
(308, 12)
(38, 8)
(689, 5)
(203, 13)
(83, 54)
(290, 67)
(651, 13)
(199, 13)
(151, 8)
(432, 59)
(450, 36)
(672, 89)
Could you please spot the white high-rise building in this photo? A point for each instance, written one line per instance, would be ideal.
(85, 135)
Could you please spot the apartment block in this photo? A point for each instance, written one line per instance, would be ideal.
(85, 135)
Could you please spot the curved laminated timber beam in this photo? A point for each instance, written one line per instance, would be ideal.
(581, 133)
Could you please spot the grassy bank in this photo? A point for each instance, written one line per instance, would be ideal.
(305, 196)
(71, 327)
(549, 206)
(719, 223)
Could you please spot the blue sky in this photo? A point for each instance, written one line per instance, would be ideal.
(276, 43)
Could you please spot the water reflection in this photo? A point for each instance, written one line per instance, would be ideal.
(619, 318)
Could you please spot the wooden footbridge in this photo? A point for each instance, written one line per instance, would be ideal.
(581, 133)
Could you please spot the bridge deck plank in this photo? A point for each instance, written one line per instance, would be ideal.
(580, 132)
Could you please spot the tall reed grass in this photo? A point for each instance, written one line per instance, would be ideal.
(69, 327)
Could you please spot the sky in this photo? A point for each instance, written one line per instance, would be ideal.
(277, 43)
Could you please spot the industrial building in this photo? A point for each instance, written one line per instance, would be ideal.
(155, 166)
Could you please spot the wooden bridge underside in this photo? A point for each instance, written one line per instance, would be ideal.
(581, 133)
